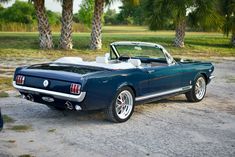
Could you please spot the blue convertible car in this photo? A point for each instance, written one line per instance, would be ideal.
(132, 73)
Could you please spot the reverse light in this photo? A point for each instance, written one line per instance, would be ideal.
(75, 88)
(20, 79)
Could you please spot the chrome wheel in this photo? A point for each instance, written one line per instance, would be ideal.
(124, 104)
(200, 88)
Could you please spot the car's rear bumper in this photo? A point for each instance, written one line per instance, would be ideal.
(58, 95)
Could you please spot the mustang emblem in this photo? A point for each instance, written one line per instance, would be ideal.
(45, 83)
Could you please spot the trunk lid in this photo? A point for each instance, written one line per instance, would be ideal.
(59, 76)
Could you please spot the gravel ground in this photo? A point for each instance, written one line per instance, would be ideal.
(171, 127)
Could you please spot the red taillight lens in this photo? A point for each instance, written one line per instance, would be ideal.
(75, 88)
(20, 79)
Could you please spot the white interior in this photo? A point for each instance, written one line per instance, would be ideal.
(135, 62)
(102, 62)
(69, 60)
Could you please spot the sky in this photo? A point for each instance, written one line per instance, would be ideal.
(56, 7)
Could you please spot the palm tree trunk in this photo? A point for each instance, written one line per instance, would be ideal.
(180, 33)
(96, 33)
(45, 36)
(233, 39)
(67, 25)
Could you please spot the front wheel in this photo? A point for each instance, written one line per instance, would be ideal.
(122, 107)
(198, 91)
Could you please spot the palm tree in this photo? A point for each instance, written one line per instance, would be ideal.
(67, 22)
(161, 11)
(45, 35)
(96, 33)
(227, 11)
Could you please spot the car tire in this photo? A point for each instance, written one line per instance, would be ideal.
(122, 107)
(198, 90)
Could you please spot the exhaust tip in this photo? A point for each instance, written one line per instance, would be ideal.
(78, 108)
(69, 105)
(23, 96)
(29, 97)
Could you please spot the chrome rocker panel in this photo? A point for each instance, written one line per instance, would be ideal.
(59, 95)
(154, 95)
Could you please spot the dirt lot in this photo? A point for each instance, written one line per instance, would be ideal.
(171, 127)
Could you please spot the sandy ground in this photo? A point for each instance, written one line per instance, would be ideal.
(171, 127)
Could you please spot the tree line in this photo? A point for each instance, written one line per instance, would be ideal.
(179, 15)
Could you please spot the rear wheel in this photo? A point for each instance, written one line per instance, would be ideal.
(122, 107)
(198, 91)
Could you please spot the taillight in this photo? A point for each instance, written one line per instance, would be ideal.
(20, 79)
(75, 88)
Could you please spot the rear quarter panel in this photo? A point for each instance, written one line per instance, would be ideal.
(101, 88)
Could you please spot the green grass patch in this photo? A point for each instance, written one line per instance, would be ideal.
(51, 130)
(5, 84)
(7, 119)
(11, 141)
(3, 94)
(230, 79)
(26, 155)
(20, 45)
(21, 48)
(21, 128)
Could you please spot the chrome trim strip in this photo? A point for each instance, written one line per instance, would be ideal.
(163, 93)
(211, 77)
(64, 96)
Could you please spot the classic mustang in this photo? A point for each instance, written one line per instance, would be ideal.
(132, 73)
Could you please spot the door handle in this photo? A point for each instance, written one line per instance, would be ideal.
(150, 71)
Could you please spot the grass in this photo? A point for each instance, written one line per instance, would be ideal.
(7, 119)
(25, 155)
(11, 141)
(21, 128)
(230, 79)
(20, 48)
(21, 45)
(3, 94)
(51, 130)
(5, 84)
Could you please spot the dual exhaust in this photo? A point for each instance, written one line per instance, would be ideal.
(28, 97)
(68, 104)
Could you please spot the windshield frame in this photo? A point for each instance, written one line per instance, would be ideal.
(170, 60)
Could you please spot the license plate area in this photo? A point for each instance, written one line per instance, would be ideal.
(48, 99)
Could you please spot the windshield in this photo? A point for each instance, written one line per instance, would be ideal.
(139, 51)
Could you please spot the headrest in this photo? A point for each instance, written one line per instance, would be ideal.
(69, 60)
(102, 60)
(135, 62)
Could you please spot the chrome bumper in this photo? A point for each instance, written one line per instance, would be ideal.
(64, 96)
(211, 77)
